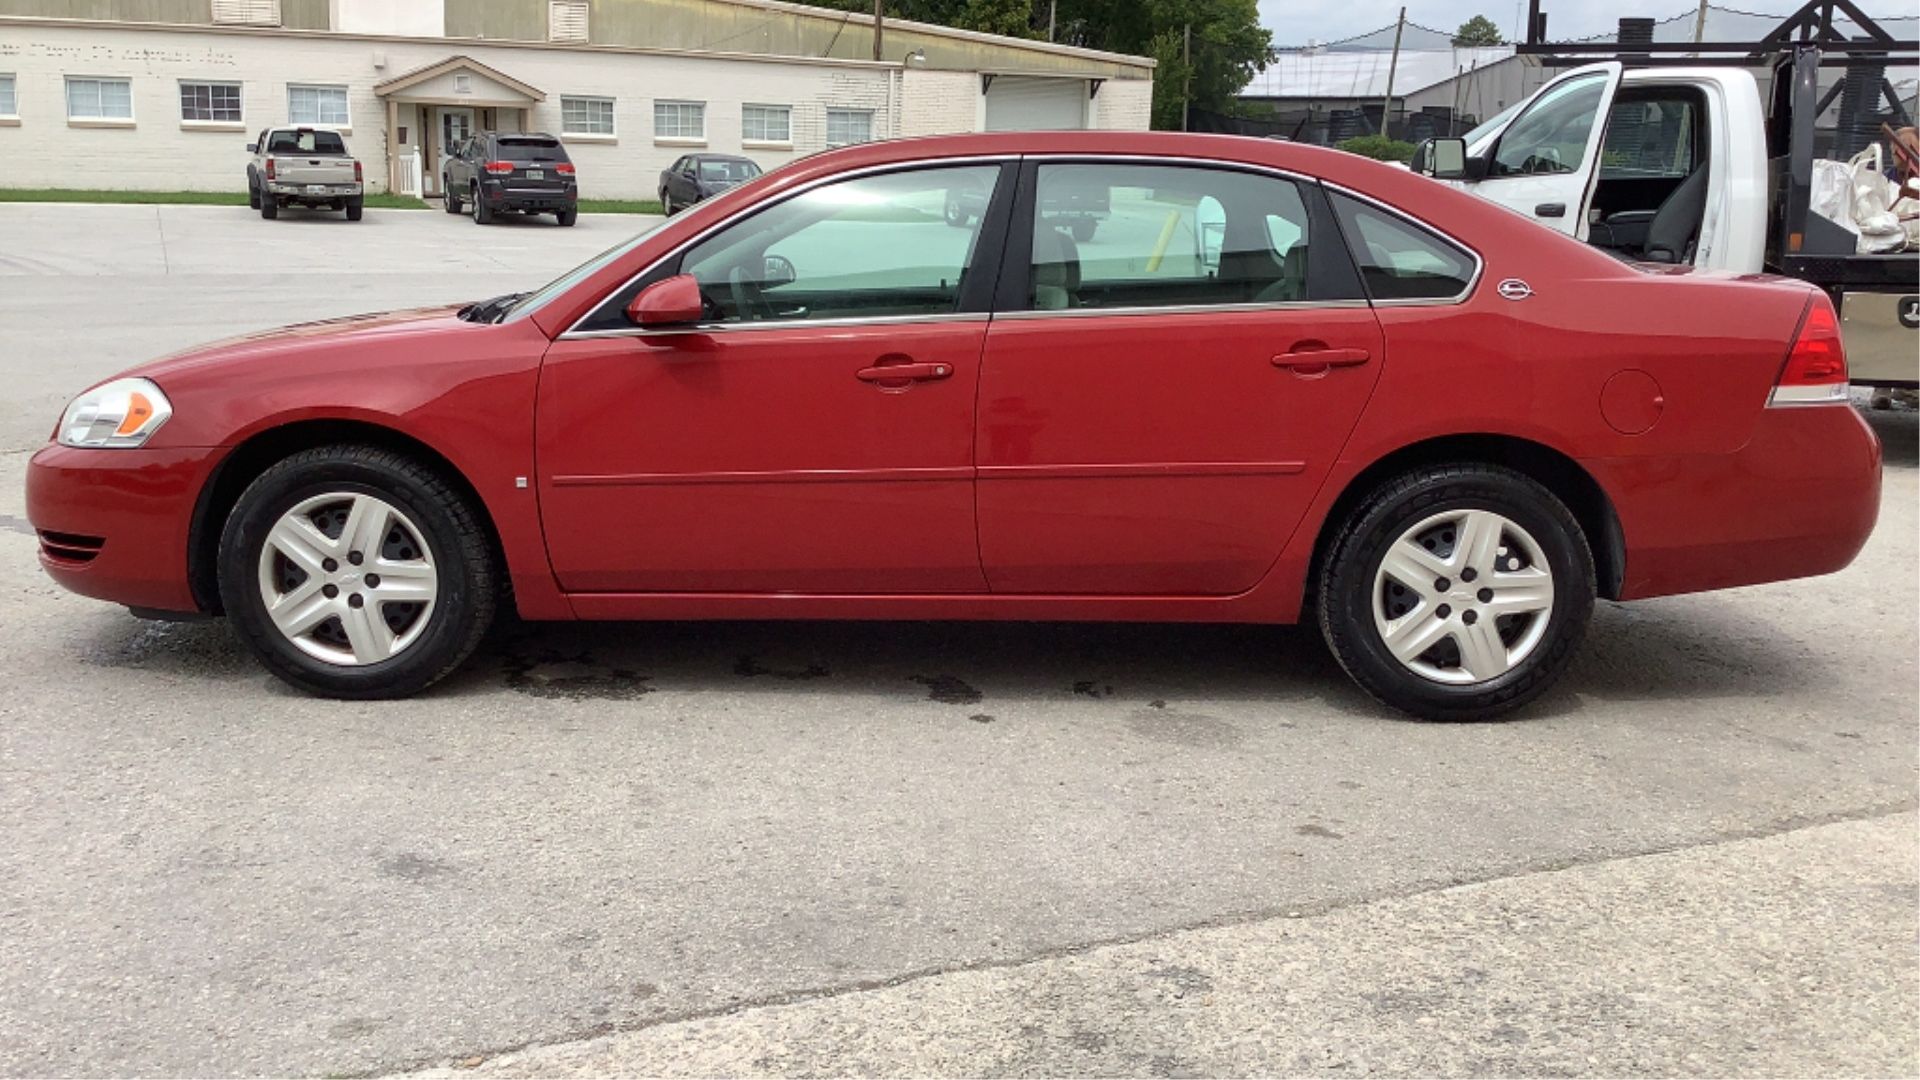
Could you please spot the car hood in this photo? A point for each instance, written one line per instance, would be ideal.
(321, 334)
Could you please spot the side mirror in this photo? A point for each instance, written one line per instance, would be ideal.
(674, 301)
(777, 271)
(1442, 159)
(253, 148)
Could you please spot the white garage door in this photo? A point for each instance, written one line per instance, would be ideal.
(1020, 103)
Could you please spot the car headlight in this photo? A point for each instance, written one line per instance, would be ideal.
(121, 413)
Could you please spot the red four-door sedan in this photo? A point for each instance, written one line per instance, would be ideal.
(1264, 382)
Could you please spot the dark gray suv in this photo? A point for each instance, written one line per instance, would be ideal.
(499, 171)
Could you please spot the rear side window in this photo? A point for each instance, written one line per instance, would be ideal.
(1399, 260)
(306, 142)
(524, 149)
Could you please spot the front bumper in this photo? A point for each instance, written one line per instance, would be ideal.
(1800, 499)
(500, 196)
(114, 524)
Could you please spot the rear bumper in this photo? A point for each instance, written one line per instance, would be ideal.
(113, 524)
(325, 191)
(1800, 499)
(501, 197)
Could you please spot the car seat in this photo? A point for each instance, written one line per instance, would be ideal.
(1056, 270)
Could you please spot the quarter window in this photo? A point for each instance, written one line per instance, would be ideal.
(317, 105)
(99, 99)
(210, 102)
(875, 246)
(9, 104)
(1125, 236)
(766, 123)
(848, 126)
(586, 116)
(1551, 136)
(1398, 259)
(679, 120)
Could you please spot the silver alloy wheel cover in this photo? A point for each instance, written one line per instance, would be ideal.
(1487, 543)
(299, 612)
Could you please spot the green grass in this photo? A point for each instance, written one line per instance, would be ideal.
(620, 206)
(191, 198)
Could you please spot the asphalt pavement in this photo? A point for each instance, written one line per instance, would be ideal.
(910, 848)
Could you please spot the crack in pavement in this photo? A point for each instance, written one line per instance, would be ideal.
(1778, 827)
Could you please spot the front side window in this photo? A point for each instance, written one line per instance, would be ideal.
(870, 247)
(210, 102)
(317, 105)
(766, 123)
(586, 116)
(1126, 236)
(1400, 260)
(1551, 136)
(848, 126)
(679, 120)
(99, 99)
(9, 104)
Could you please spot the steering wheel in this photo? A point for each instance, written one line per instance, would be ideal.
(748, 300)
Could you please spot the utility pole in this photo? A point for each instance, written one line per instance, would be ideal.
(876, 29)
(1700, 24)
(1053, 13)
(1386, 109)
(1186, 90)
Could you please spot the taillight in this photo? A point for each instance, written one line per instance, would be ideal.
(269, 168)
(565, 168)
(1816, 369)
(357, 175)
(499, 168)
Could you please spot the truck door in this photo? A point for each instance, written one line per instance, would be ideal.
(1544, 163)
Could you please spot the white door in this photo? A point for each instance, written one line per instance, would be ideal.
(1023, 103)
(456, 125)
(1545, 162)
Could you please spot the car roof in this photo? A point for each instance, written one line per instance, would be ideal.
(518, 135)
(720, 157)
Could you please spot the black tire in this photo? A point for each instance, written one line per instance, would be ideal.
(956, 216)
(356, 209)
(1084, 228)
(481, 215)
(452, 200)
(269, 206)
(666, 204)
(567, 217)
(253, 193)
(448, 523)
(1345, 587)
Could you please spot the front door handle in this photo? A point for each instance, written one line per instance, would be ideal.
(1311, 363)
(1550, 209)
(899, 375)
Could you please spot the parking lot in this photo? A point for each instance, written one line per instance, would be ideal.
(885, 848)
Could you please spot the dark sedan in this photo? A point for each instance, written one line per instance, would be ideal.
(702, 176)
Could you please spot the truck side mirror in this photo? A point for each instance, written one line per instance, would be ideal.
(253, 148)
(1442, 159)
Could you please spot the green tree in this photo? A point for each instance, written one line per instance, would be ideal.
(1228, 46)
(1478, 30)
(1013, 18)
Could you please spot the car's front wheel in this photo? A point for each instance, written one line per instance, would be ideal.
(452, 197)
(1457, 592)
(356, 572)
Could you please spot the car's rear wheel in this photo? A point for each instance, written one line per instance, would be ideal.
(568, 217)
(356, 572)
(1457, 592)
(481, 215)
(269, 206)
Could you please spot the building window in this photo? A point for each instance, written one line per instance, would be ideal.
(9, 104)
(99, 99)
(567, 21)
(210, 102)
(679, 120)
(586, 116)
(317, 105)
(463, 84)
(766, 123)
(247, 12)
(849, 126)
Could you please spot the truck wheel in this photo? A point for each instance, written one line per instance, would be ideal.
(481, 215)
(253, 194)
(568, 217)
(357, 572)
(269, 206)
(1457, 592)
(355, 208)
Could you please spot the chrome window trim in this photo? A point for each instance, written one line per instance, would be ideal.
(776, 324)
(1178, 309)
(681, 249)
(1479, 262)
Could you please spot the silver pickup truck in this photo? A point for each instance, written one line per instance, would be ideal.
(303, 166)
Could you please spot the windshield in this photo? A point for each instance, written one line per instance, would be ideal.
(1491, 125)
(544, 295)
(736, 171)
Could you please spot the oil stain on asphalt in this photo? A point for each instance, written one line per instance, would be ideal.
(574, 678)
(947, 690)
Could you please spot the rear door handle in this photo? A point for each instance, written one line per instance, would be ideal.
(1550, 209)
(901, 374)
(1310, 362)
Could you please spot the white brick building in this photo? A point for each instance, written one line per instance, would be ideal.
(170, 105)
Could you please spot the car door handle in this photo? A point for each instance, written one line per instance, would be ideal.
(1550, 209)
(902, 374)
(1314, 362)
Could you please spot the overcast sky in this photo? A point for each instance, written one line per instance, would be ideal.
(1295, 22)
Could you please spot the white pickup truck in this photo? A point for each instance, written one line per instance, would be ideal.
(1690, 167)
(303, 166)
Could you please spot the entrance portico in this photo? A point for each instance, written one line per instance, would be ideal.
(431, 108)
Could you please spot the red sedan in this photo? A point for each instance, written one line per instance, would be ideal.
(1140, 377)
